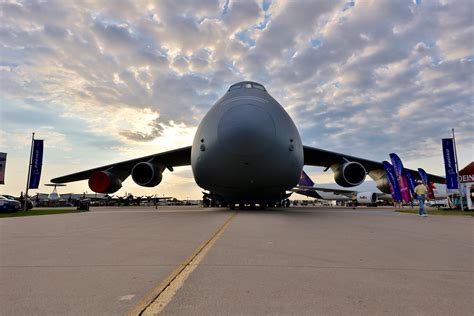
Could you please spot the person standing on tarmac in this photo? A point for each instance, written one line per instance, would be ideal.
(420, 195)
(353, 200)
(22, 201)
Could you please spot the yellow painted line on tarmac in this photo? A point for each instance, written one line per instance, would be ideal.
(157, 299)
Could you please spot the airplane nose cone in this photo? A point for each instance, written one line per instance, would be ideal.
(246, 130)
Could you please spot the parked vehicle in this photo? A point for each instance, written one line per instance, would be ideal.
(7, 204)
(29, 203)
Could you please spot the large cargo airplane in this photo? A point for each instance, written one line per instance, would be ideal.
(246, 150)
(307, 187)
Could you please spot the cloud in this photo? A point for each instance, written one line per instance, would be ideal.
(242, 14)
(156, 131)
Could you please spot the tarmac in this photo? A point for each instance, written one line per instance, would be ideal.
(212, 261)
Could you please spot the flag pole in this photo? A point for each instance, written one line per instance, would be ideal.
(457, 171)
(29, 171)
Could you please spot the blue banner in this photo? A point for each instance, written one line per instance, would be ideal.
(450, 164)
(401, 177)
(426, 182)
(36, 164)
(423, 175)
(392, 180)
(411, 182)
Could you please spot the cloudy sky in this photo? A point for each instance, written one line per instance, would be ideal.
(105, 81)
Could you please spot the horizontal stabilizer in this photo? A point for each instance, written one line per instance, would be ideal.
(305, 180)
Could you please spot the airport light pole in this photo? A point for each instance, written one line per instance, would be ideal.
(461, 197)
(29, 172)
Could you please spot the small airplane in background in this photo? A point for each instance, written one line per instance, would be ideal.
(130, 199)
(307, 187)
(54, 196)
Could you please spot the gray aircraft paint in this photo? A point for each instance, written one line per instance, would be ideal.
(247, 148)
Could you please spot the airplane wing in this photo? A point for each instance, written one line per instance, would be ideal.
(313, 192)
(317, 193)
(301, 188)
(324, 158)
(170, 159)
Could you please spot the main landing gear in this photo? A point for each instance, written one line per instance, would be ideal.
(207, 202)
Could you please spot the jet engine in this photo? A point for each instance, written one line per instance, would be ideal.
(104, 182)
(147, 174)
(349, 174)
(366, 197)
(383, 184)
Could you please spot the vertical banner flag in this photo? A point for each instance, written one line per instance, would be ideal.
(392, 180)
(450, 164)
(411, 182)
(402, 179)
(427, 183)
(36, 164)
(3, 162)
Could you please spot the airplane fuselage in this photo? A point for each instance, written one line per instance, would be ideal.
(247, 148)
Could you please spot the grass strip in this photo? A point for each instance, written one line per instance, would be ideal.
(42, 211)
(435, 211)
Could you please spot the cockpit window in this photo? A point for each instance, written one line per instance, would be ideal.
(235, 87)
(247, 85)
(258, 86)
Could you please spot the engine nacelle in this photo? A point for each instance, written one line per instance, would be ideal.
(104, 182)
(383, 184)
(147, 174)
(349, 174)
(366, 197)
